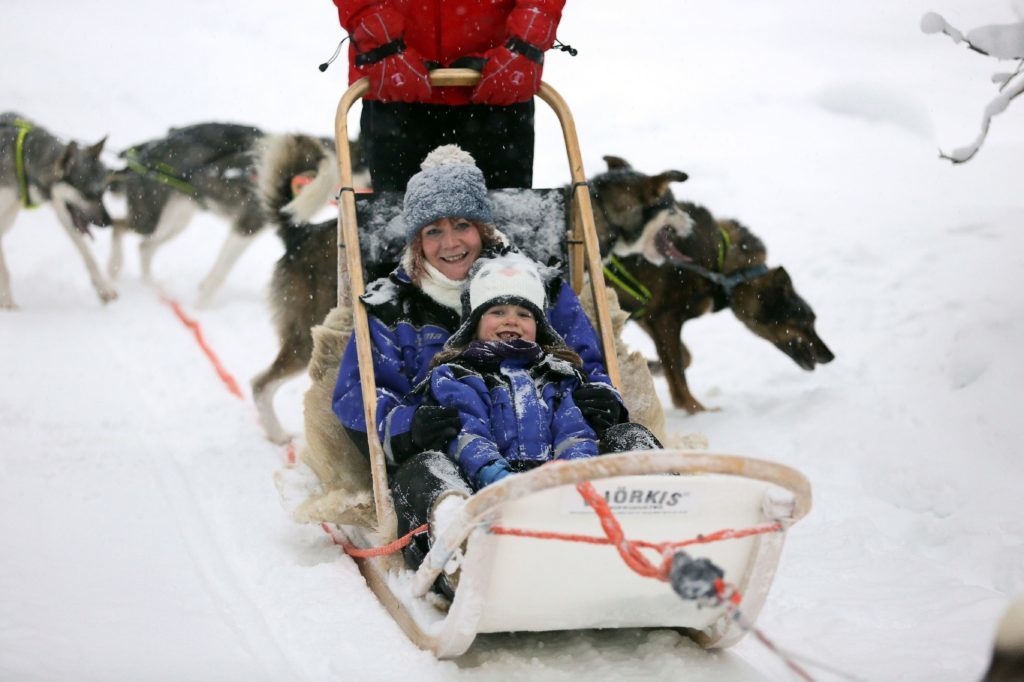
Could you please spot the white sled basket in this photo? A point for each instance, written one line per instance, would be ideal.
(512, 582)
(520, 582)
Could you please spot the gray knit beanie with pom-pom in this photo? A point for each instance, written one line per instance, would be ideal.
(449, 186)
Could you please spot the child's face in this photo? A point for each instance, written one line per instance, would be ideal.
(506, 323)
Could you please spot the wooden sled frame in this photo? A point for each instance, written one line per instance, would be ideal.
(448, 635)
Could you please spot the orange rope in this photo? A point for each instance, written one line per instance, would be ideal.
(299, 183)
(725, 534)
(389, 548)
(630, 549)
(225, 376)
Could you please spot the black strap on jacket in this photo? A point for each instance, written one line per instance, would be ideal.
(396, 46)
(520, 46)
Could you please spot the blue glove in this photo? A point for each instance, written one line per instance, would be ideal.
(492, 473)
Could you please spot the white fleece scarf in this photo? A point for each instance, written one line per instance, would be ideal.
(446, 291)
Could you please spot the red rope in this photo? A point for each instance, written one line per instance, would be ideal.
(661, 547)
(299, 183)
(732, 597)
(389, 548)
(630, 549)
(225, 376)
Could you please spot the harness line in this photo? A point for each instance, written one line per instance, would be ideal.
(197, 332)
(661, 547)
(371, 552)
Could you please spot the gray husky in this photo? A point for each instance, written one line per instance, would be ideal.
(35, 168)
(208, 166)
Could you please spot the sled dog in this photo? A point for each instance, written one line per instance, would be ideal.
(665, 276)
(208, 166)
(303, 288)
(35, 168)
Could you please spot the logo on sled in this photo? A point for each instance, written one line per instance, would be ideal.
(633, 498)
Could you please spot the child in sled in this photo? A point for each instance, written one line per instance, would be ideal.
(511, 378)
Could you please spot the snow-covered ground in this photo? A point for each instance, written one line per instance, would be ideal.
(143, 538)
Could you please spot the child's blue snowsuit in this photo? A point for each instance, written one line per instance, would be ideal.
(516, 407)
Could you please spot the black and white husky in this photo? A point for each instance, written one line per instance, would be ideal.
(202, 167)
(207, 166)
(36, 168)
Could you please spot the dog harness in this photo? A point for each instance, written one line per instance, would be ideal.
(620, 275)
(19, 161)
(160, 172)
(725, 282)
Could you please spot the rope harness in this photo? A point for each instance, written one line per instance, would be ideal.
(24, 127)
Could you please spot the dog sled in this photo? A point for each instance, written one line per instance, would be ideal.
(530, 552)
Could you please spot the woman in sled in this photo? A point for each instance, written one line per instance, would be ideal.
(413, 311)
(511, 379)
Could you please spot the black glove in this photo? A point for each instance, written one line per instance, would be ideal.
(599, 404)
(433, 426)
(431, 429)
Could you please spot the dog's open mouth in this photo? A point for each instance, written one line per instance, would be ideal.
(78, 219)
(664, 242)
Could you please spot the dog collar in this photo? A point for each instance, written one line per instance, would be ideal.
(19, 161)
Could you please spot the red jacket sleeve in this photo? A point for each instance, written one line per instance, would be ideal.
(351, 11)
(535, 21)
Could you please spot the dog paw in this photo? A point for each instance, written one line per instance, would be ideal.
(691, 405)
(8, 305)
(107, 295)
(278, 436)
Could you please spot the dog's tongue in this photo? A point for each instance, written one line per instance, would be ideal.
(79, 220)
(666, 247)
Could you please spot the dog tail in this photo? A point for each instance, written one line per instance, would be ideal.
(283, 157)
(1008, 655)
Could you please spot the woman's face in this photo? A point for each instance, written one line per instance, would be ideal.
(507, 322)
(451, 245)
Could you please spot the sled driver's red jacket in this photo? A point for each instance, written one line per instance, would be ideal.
(445, 31)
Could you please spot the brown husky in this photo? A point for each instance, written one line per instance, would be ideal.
(304, 286)
(665, 277)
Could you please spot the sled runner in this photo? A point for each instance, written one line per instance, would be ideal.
(541, 550)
